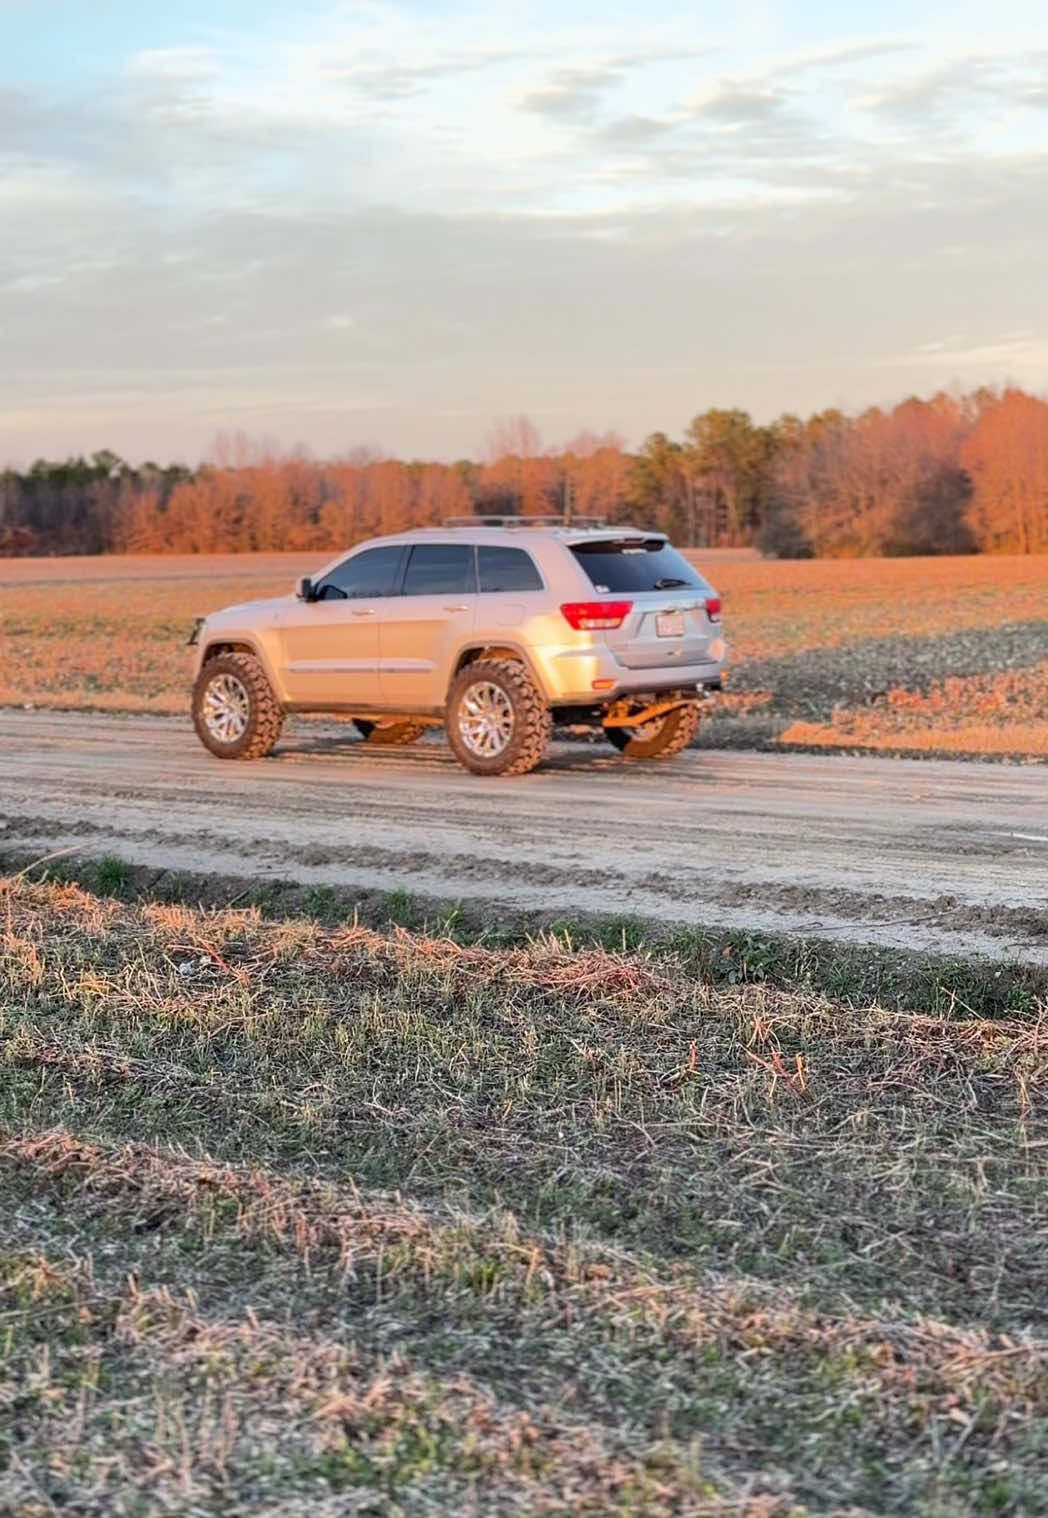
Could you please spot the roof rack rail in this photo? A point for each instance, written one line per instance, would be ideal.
(524, 521)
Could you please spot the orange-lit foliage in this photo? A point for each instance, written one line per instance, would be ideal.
(881, 483)
(943, 476)
(1007, 458)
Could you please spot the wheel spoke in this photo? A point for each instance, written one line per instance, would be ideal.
(486, 719)
(226, 708)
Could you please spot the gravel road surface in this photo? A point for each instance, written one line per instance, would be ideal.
(938, 855)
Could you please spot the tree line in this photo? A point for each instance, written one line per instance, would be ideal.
(953, 474)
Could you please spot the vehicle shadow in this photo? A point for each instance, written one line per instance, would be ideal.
(308, 742)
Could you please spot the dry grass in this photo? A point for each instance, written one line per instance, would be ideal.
(805, 638)
(321, 1220)
(832, 654)
(774, 609)
(273, 568)
(980, 714)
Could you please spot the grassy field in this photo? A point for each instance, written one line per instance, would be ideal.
(907, 655)
(306, 1218)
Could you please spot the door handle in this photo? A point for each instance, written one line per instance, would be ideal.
(363, 611)
(456, 608)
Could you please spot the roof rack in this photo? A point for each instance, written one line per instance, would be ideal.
(525, 521)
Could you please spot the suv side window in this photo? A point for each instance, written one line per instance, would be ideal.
(440, 569)
(507, 569)
(371, 573)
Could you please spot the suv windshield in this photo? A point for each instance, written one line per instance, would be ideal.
(636, 564)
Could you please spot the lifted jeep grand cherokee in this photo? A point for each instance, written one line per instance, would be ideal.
(495, 631)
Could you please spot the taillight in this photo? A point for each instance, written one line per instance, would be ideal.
(713, 608)
(596, 616)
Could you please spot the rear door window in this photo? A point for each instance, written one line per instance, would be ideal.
(636, 564)
(440, 569)
(371, 573)
(507, 569)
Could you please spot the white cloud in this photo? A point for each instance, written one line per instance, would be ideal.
(616, 224)
(570, 92)
(732, 101)
(828, 54)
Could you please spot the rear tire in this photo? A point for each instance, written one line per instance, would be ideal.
(660, 739)
(497, 722)
(235, 713)
(389, 734)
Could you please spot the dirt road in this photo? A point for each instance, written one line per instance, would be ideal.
(935, 854)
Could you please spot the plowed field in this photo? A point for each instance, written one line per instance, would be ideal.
(900, 655)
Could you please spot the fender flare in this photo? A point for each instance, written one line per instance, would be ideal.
(238, 644)
(502, 647)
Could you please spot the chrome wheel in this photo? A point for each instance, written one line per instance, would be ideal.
(226, 708)
(485, 719)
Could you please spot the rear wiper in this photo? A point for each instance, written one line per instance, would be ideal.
(668, 584)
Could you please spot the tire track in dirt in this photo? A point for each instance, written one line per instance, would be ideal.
(932, 854)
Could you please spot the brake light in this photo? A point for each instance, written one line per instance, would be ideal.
(596, 616)
(713, 608)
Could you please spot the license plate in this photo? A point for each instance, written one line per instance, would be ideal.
(669, 624)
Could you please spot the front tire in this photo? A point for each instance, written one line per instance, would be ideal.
(389, 734)
(235, 713)
(497, 723)
(660, 739)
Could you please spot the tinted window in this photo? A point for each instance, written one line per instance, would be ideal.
(440, 569)
(507, 569)
(636, 564)
(371, 573)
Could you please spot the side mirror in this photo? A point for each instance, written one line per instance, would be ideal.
(304, 589)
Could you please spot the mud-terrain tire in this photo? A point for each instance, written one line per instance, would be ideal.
(660, 739)
(389, 734)
(497, 722)
(235, 713)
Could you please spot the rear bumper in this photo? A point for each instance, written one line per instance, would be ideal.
(579, 677)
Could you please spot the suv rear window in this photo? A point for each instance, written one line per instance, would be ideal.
(636, 564)
(507, 569)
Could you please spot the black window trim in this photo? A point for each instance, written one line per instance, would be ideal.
(400, 573)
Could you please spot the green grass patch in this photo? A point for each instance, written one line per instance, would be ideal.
(854, 974)
(303, 1216)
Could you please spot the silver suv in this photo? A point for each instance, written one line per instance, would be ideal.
(495, 631)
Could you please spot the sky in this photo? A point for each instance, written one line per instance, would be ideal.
(395, 224)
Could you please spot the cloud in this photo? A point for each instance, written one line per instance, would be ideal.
(962, 84)
(633, 131)
(490, 313)
(617, 237)
(829, 54)
(923, 95)
(730, 101)
(571, 93)
(380, 79)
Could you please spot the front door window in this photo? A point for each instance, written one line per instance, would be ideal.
(331, 643)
